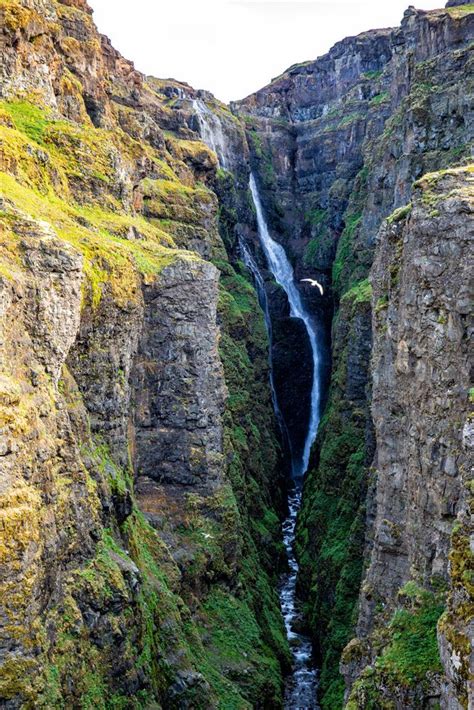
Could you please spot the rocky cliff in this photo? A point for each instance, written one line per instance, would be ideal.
(420, 407)
(143, 469)
(337, 144)
(139, 451)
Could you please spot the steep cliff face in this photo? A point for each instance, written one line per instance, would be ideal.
(337, 144)
(137, 559)
(420, 405)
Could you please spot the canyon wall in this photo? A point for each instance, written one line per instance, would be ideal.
(420, 366)
(143, 469)
(141, 479)
(337, 144)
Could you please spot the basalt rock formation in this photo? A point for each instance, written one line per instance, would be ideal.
(337, 144)
(142, 465)
(420, 365)
(139, 451)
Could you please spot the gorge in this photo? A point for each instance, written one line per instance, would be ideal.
(220, 487)
(302, 686)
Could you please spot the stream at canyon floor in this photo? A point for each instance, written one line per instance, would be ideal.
(302, 684)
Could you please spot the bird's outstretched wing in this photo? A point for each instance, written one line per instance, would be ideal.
(313, 282)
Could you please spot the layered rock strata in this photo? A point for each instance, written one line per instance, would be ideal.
(142, 469)
(337, 144)
(140, 479)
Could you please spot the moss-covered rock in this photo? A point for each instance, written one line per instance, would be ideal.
(115, 597)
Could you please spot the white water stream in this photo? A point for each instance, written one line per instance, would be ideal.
(210, 129)
(302, 685)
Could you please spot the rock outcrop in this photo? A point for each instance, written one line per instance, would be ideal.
(141, 478)
(420, 405)
(142, 467)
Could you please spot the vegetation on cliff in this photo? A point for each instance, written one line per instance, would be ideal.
(139, 564)
(334, 201)
(129, 610)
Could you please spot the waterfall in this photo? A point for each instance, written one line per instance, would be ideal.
(283, 274)
(301, 687)
(210, 130)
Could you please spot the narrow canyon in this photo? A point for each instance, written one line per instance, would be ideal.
(236, 415)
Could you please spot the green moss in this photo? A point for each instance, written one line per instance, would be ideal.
(252, 451)
(409, 655)
(52, 696)
(108, 259)
(311, 252)
(373, 74)
(28, 118)
(64, 176)
(321, 241)
(42, 188)
(330, 541)
(120, 480)
(266, 169)
(331, 527)
(315, 216)
(381, 98)
(360, 293)
(348, 119)
(344, 249)
(461, 10)
(413, 649)
(233, 641)
(400, 214)
(333, 698)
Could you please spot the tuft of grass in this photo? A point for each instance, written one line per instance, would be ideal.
(372, 74)
(344, 248)
(360, 293)
(413, 648)
(400, 213)
(381, 98)
(28, 118)
(461, 10)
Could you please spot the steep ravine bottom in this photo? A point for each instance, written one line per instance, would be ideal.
(141, 491)
(302, 685)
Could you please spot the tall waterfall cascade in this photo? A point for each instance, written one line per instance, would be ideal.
(210, 130)
(283, 273)
(301, 688)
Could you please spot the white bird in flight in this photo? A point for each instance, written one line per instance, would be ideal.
(313, 282)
